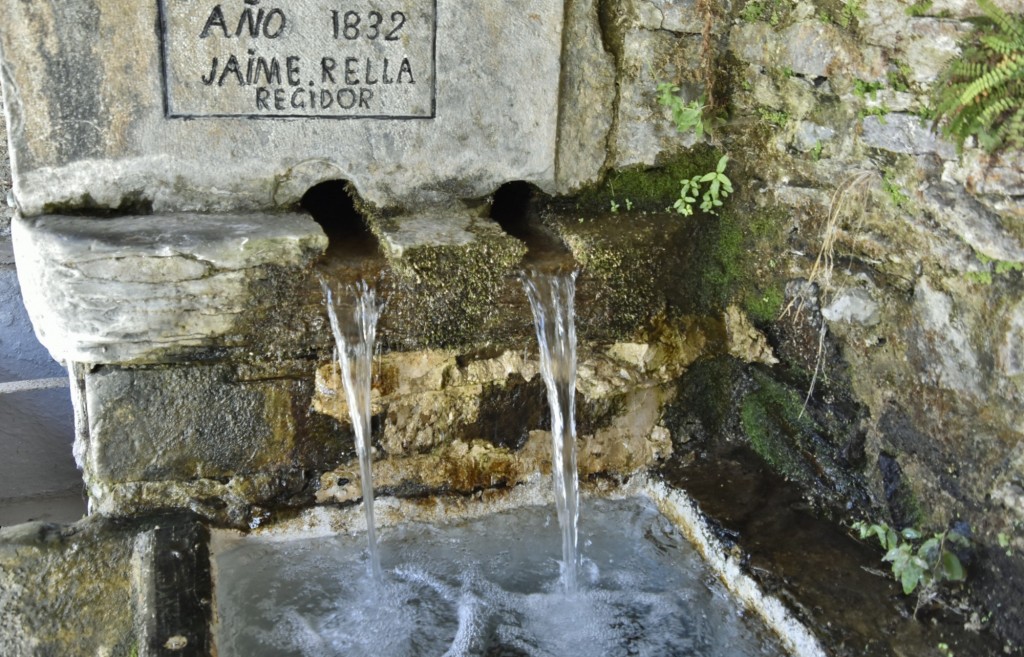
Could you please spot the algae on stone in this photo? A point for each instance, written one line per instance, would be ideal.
(66, 590)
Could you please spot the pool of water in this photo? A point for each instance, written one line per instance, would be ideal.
(484, 587)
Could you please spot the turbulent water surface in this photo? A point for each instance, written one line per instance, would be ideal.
(487, 587)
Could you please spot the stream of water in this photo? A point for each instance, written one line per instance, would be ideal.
(552, 298)
(354, 325)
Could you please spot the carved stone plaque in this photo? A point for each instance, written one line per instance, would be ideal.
(338, 59)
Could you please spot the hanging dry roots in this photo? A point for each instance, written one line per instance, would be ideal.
(707, 53)
(821, 271)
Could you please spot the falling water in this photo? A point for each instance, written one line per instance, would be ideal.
(354, 334)
(551, 297)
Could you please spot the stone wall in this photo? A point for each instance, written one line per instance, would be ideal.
(892, 268)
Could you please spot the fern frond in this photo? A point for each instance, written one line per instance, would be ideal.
(981, 93)
(1006, 69)
(993, 110)
(1006, 23)
(1002, 45)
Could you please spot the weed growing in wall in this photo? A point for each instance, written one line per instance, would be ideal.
(918, 564)
(770, 11)
(773, 116)
(981, 93)
(864, 88)
(719, 187)
(893, 190)
(919, 8)
(690, 116)
(991, 267)
(686, 116)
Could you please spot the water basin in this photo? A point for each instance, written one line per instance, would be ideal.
(487, 586)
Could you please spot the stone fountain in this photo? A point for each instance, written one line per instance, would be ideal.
(185, 170)
(170, 164)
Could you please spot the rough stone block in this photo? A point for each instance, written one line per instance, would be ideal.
(457, 423)
(904, 133)
(986, 232)
(173, 589)
(455, 282)
(588, 79)
(999, 175)
(943, 342)
(66, 590)
(206, 422)
(629, 272)
(808, 48)
(147, 288)
(214, 106)
(673, 15)
(809, 135)
(644, 130)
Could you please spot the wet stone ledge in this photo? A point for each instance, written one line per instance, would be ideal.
(164, 288)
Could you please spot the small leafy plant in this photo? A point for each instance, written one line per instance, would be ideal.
(773, 116)
(998, 268)
(686, 116)
(919, 8)
(687, 196)
(893, 190)
(981, 93)
(1004, 542)
(864, 88)
(719, 187)
(852, 11)
(918, 565)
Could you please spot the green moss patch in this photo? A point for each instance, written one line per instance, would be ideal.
(773, 421)
(647, 189)
(736, 259)
(802, 444)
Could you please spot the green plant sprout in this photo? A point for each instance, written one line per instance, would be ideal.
(686, 116)
(776, 117)
(687, 196)
(881, 111)
(720, 187)
(899, 79)
(852, 11)
(863, 88)
(981, 93)
(892, 188)
(919, 8)
(615, 206)
(1004, 542)
(999, 268)
(918, 566)
(769, 11)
